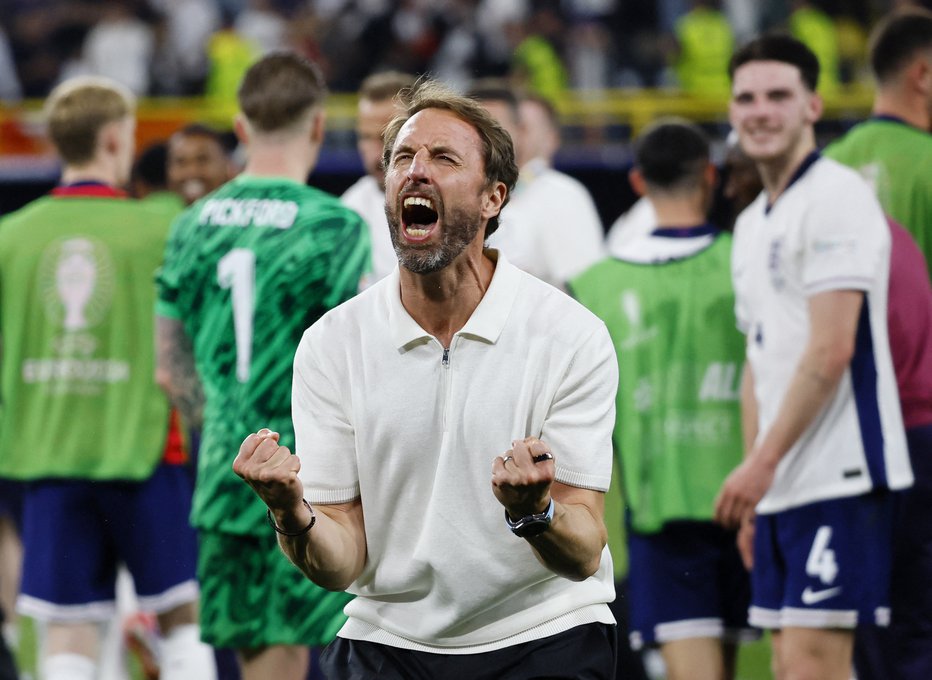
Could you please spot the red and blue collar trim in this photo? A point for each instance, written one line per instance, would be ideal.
(89, 189)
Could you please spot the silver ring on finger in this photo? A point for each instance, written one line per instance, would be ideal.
(505, 459)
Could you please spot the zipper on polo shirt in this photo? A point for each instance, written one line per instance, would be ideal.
(447, 379)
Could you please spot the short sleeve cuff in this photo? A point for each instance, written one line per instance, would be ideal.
(331, 496)
(839, 283)
(582, 480)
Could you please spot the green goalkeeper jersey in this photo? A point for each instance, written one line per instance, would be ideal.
(247, 270)
(896, 160)
(78, 391)
(678, 428)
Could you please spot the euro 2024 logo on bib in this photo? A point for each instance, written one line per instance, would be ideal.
(76, 276)
(639, 332)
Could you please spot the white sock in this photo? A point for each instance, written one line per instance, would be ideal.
(185, 657)
(69, 667)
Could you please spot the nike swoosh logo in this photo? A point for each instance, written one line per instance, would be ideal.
(811, 596)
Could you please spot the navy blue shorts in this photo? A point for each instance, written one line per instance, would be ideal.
(582, 653)
(824, 565)
(687, 581)
(75, 532)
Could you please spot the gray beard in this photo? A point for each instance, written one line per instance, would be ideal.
(458, 232)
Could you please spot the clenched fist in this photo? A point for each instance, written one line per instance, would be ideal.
(522, 477)
(271, 470)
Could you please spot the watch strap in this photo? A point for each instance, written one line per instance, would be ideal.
(531, 525)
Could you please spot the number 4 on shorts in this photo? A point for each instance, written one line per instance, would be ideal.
(821, 561)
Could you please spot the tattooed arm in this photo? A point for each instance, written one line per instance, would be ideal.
(175, 372)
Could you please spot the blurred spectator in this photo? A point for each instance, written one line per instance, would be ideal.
(199, 159)
(492, 18)
(356, 39)
(10, 89)
(229, 56)
(744, 17)
(548, 44)
(32, 28)
(188, 27)
(816, 29)
(588, 57)
(377, 106)
(853, 64)
(459, 53)
(120, 47)
(263, 24)
(550, 227)
(537, 65)
(639, 54)
(414, 36)
(704, 43)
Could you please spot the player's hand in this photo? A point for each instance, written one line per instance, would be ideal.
(743, 489)
(746, 541)
(522, 477)
(270, 470)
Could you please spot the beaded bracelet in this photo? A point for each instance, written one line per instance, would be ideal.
(268, 516)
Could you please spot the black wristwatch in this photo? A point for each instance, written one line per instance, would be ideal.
(531, 525)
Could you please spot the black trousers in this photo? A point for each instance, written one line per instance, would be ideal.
(581, 653)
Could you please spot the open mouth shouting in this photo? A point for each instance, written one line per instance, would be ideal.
(418, 217)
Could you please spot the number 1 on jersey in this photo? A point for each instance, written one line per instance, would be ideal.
(237, 271)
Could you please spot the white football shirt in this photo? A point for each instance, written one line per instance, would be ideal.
(825, 232)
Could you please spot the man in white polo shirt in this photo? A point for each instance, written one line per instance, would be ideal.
(810, 266)
(453, 428)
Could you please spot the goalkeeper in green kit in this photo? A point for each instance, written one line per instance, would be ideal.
(247, 269)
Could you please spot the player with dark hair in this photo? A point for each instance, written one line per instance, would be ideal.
(668, 302)
(819, 395)
(198, 161)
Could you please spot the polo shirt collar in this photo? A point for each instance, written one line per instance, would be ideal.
(487, 321)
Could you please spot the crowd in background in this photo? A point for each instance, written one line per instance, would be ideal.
(195, 47)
